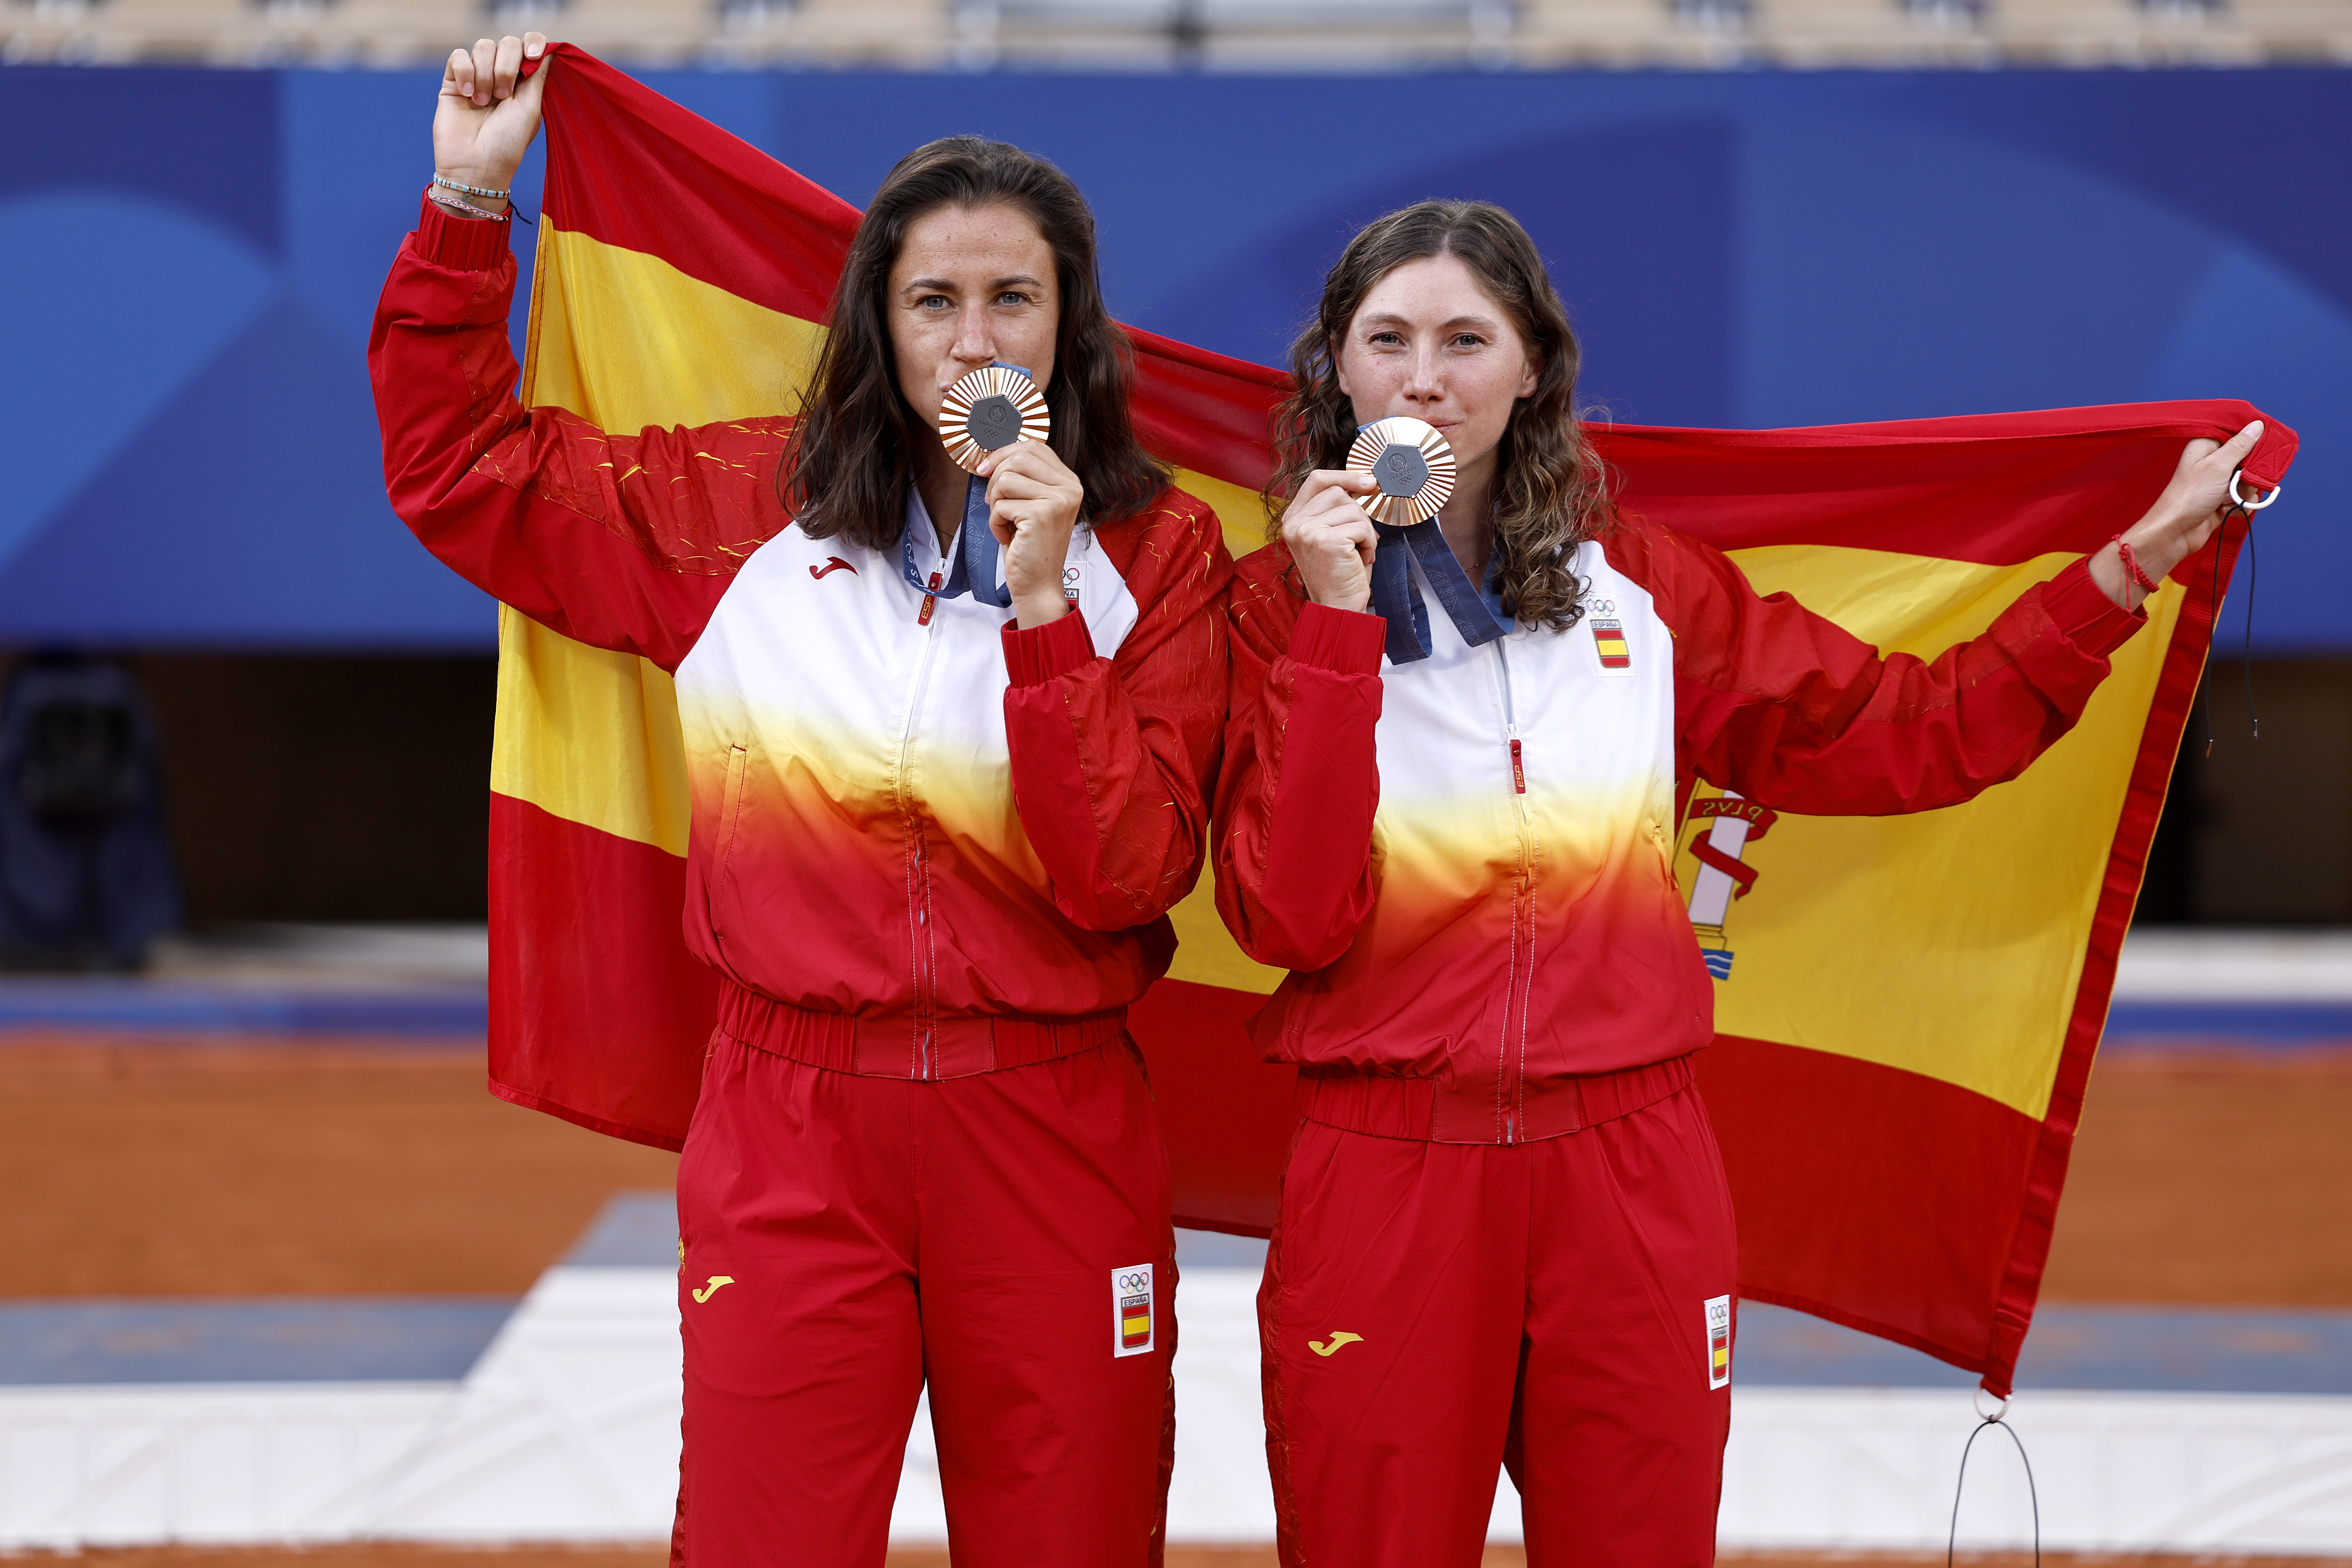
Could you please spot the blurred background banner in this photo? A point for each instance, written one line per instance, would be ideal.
(193, 254)
(192, 258)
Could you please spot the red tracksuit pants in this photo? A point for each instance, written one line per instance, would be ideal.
(846, 1238)
(1432, 1313)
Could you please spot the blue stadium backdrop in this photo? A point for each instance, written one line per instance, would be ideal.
(191, 259)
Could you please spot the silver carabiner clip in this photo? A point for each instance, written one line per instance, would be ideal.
(2241, 503)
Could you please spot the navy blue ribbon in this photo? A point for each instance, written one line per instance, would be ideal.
(1478, 613)
(976, 550)
(972, 568)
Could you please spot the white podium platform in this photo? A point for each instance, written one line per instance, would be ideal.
(566, 1430)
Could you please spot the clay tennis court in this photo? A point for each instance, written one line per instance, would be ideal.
(136, 1167)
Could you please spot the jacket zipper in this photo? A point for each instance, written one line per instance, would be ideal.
(918, 867)
(1523, 909)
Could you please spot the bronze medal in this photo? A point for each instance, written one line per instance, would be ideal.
(1413, 464)
(989, 410)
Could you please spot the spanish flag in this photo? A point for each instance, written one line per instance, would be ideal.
(1907, 1007)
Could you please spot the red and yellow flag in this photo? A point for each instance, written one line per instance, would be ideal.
(1907, 1007)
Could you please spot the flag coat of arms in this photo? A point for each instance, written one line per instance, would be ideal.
(1906, 1008)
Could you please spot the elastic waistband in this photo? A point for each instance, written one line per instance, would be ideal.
(905, 1046)
(1421, 1109)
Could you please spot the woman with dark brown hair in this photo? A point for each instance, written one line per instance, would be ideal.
(946, 741)
(1505, 1237)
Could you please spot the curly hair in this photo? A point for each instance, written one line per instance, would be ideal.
(1551, 490)
(846, 468)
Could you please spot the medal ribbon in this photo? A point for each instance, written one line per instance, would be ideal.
(972, 566)
(976, 551)
(1479, 615)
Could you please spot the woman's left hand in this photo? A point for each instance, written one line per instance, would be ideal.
(1032, 505)
(2183, 518)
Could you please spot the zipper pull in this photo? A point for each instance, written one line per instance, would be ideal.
(1518, 767)
(930, 599)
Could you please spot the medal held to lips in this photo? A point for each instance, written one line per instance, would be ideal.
(1412, 465)
(988, 409)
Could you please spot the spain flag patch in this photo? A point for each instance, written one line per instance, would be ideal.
(1609, 637)
(1130, 1311)
(1719, 1341)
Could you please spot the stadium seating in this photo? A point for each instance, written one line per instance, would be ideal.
(1267, 34)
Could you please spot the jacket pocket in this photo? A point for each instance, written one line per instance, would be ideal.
(1665, 846)
(722, 847)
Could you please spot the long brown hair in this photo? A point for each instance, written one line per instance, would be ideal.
(1551, 492)
(845, 470)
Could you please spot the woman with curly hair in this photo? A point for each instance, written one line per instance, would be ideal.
(1505, 1233)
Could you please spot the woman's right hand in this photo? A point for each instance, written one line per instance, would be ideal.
(1331, 539)
(485, 120)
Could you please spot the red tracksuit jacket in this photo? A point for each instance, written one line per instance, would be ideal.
(1466, 862)
(909, 819)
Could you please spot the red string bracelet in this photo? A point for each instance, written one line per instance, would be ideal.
(2132, 566)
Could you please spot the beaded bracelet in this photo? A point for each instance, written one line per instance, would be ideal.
(2132, 568)
(448, 184)
(451, 204)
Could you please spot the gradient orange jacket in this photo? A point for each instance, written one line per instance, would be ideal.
(905, 813)
(1466, 860)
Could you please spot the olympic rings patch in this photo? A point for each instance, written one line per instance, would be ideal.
(1133, 1326)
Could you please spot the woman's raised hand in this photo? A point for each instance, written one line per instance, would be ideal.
(1032, 505)
(2183, 518)
(1331, 539)
(485, 118)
